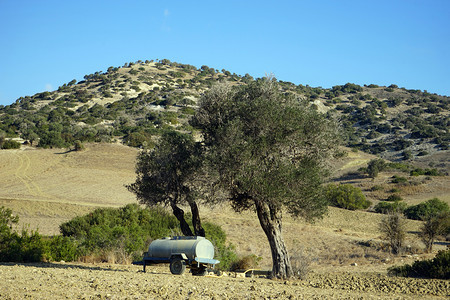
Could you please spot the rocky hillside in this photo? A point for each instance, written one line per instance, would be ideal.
(134, 103)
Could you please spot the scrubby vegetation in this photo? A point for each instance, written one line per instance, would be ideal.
(346, 196)
(140, 100)
(426, 209)
(438, 267)
(115, 235)
(24, 247)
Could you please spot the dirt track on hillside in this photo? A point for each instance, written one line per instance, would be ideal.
(85, 281)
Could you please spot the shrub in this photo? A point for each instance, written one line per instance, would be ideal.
(428, 172)
(78, 146)
(301, 263)
(26, 247)
(224, 253)
(427, 209)
(62, 248)
(384, 207)
(394, 197)
(393, 229)
(10, 144)
(130, 227)
(375, 166)
(399, 179)
(346, 196)
(438, 267)
(247, 262)
(432, 227)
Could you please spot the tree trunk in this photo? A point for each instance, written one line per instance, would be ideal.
(179, 214)
(270, 219)
(198, 229)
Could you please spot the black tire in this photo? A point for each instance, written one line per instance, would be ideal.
(177, 266)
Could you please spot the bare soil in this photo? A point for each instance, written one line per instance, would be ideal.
(86, 281)
(346, 254)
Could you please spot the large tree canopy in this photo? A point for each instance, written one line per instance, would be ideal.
(166, 175)
(268, 151)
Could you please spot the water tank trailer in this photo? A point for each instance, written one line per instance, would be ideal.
(194, 252)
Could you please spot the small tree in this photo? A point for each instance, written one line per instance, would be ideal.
(375, 166)
(165, 176)
(266, 150)
(393, 229)
(433, 226)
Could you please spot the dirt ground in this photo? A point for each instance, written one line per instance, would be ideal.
(85, 281)
(48, 187)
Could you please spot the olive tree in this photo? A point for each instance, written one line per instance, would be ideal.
(166, 176)
(266, 150)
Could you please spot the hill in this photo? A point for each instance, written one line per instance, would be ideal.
(133, 104)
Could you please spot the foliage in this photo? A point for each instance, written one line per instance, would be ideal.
(247, 262)
(62, 248)
(165, 176)
(9, 144)
(224, 252)
(438, 267)
(427, 172)
(14, 247)
(394, 197)
(130, 227)
(78, 146)
(434, 226)
(384, 207)
(346, 196)
(266, 150)
(399, 179)
(375, 166)
(392, 226)
(427, 209)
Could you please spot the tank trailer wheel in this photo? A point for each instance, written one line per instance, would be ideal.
(177, 266)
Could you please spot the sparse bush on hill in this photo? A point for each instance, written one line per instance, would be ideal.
(394, 197)
(438, 267)
(392, 226)
(346, 196)
(427, 209)
(375, 166)
(399, 179)
(384, 207)
(433, 227)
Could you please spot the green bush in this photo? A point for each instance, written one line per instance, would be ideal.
(438, 267)
(224, 253)
(394, 197)
(346, 196)
(399, 179)
(10, 144)
(14, 247)
(384, 207)
(130, 228)
(427, 209)
(375, 166)
(428, 172)
(62, 248)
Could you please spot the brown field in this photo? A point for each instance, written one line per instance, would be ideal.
(48, 187)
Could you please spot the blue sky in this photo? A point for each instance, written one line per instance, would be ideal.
(45, 43)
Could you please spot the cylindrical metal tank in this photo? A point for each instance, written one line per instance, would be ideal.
(192, 247)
